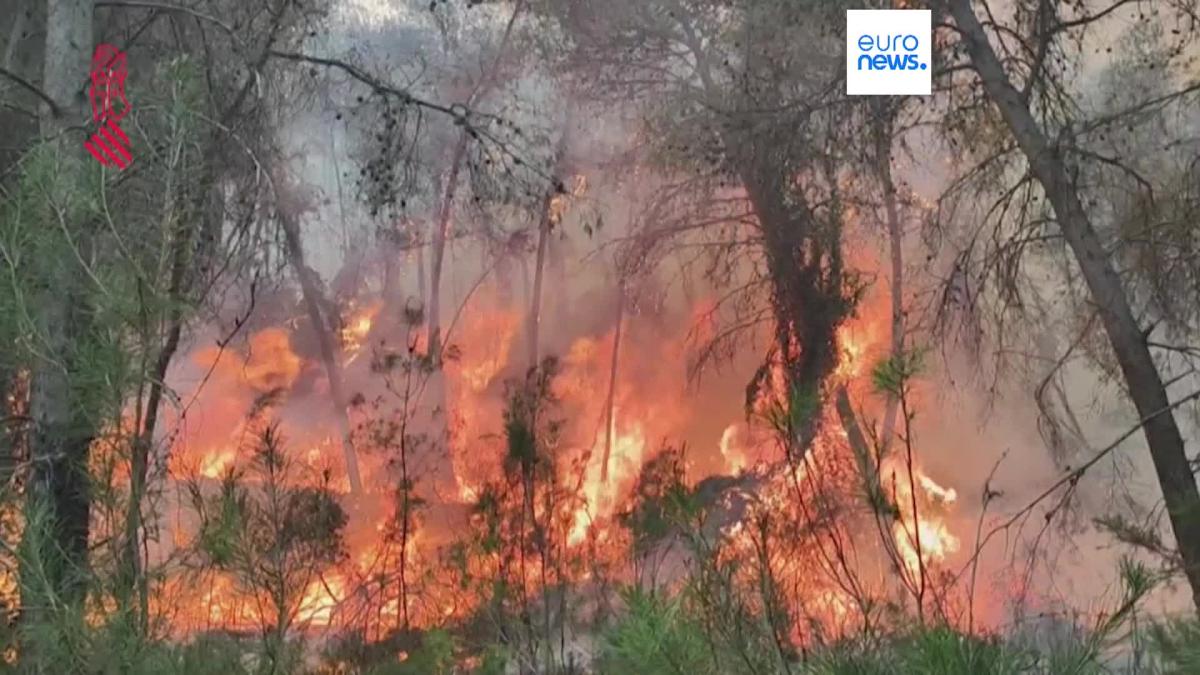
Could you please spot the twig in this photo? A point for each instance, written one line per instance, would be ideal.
(458, 112)
(25, 84)
(170, 8)
(1072, 477)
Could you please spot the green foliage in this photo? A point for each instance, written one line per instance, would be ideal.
(435, 656)
(788, 419)
(851, 659)
(66, 644)
(938, 650)
(211, 655)
(494, 661)
(654, 637)
(663, 501)
(942, 651)
(219, 532)
(527, 431)
(1111, 628)
(892, 375)
(1176, 646)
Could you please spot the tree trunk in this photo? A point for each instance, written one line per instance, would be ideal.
(806, 285)
(539, 272)
(313, 302)
(610, 401)
(1129, 344)
(56, 534)
(545, 228)
(883, 161)
(422, 291)
(482, 89)
(131, 568)
(440, 235)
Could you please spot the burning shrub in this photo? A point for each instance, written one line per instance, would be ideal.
(273, 536)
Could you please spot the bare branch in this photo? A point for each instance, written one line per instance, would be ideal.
(27, 85)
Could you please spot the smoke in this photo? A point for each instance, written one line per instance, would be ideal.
(977, 430)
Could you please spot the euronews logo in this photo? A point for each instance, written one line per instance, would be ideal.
(884, 52)
(888, 52)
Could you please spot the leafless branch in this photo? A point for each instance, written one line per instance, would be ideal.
(27, 85)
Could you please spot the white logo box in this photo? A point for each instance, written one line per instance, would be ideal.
(889, 52)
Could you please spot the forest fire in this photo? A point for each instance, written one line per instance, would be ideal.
(533, 338)
(484, 357)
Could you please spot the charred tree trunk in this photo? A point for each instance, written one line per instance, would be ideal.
(1141, 375)
(443, 470)
(322, 325)
(802, 250)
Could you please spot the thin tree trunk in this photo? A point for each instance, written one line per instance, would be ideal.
(443, 470)
(321, 325)
(482, 89)
(422, 291)
(883, 162)
(144, 441)
(440, 235)
(22, 55)
(391, 278)
(545, 227)
(1141, 375)
(539, 272)
(610, 402)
